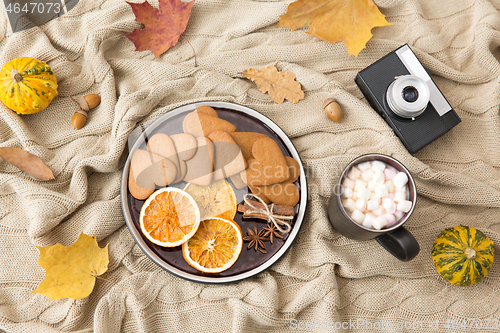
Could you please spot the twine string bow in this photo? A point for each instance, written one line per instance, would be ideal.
(277, 220)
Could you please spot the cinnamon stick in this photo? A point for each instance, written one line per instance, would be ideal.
(276, 209)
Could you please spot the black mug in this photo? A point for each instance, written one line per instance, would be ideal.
(396, 239)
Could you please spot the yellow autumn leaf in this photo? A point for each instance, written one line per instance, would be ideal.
(71, 270)
(279, 85)
(349, 21)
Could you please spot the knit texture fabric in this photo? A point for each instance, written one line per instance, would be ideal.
(324, 278)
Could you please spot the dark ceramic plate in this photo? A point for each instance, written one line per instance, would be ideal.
(250, 262)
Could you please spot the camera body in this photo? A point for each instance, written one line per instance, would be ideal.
(399, 88)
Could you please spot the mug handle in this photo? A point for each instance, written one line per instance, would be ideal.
(400, 243)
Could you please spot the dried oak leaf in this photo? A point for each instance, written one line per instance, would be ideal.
(349, 21)
(279, 85)
(164, 26)
(29, 163)
(71, 270)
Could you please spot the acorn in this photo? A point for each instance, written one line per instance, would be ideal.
(332, 109)
(85, 103)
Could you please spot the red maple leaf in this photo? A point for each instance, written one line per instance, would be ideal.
(164, 26)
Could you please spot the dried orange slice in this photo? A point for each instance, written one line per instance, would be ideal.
(216, 199)
(215, 246)
(169, 217)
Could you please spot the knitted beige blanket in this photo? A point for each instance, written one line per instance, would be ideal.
(325, 282)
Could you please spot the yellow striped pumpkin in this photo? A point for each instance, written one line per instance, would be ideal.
(463, 255)
(27, 85)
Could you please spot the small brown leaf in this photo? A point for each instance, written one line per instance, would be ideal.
(280, 85)
(29, 163)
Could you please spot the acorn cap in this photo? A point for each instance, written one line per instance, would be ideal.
(327, 101)
(89, 101)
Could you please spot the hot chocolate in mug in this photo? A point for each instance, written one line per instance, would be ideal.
(394, 238)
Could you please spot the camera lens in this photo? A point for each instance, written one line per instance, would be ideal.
(410, 94)
(407, 96)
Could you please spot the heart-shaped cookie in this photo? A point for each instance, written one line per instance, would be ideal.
(163, 145)
(268, 165)
(202, 124)
(228, 159)
(149, 169)
(207, 110)
(282, 193)
(200, 167)
(137, 192)
(245, 141)
(186, 146)
(285, 193)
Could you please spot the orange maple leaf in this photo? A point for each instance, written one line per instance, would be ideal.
(164, 26)
(349, 21)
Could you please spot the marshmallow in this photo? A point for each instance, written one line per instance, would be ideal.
(357, 216)
(390, 173)
(379, 211)
(361, 204)
(367, 175)
(391, 219)
(399, 196)
(348, 183)
(398, 214)
(378, 166)
(368, 220)
(371, 185)
(372, 205)
(347, 193)
(381, 191)
(390, 186)
(404, 206)
(375, 198)
(363, 166)
(379, 222)
(389, 205)
(354, 173)
(359, 184)
(349, 205)
(364, 193)
(400, 180)
(378, 188)
(378, 178)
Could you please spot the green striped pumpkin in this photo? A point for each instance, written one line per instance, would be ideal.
(27, 85)
(463, 255)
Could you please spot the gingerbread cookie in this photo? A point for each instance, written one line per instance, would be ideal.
(186, 146)
(268, 166)
(282, 193)
(293, 168)
(202, 124)
(207, 110)
(200, 167)
(258, 192)
(228, 159)
(163, 145)
(137, 192)
(151, 169)
(285, 193)
(245, 141)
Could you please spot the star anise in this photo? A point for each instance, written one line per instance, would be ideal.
(256, 239)
(271, 231)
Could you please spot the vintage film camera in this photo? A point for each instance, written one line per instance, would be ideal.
(399, 88)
